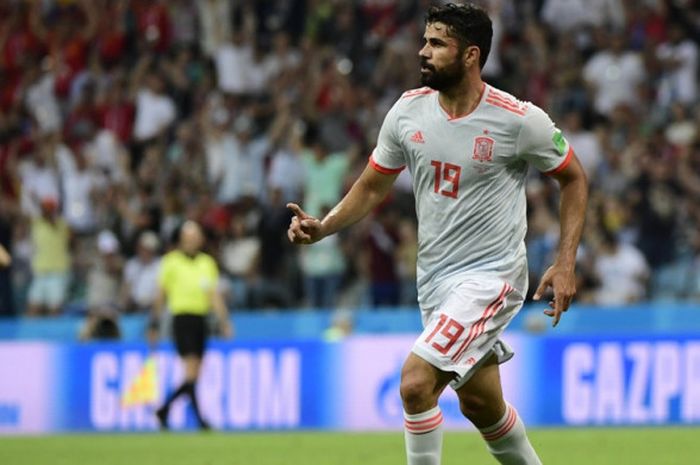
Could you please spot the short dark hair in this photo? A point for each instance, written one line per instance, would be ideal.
(467, 23)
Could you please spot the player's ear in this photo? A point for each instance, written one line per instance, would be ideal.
(472, 55)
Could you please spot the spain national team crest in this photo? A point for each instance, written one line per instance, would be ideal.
(483, 149)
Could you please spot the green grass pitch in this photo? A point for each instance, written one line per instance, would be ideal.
(652, 446)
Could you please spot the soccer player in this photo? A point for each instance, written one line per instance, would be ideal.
(468, 147)
(188, 282)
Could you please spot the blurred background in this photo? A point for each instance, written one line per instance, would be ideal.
(120, 119)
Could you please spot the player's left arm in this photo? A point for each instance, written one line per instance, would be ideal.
(561, 276)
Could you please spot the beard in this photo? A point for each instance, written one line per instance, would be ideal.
(442, 79)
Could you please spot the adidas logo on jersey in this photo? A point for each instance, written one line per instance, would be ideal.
(417, 137)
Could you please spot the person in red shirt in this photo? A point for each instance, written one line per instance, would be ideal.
(82, 121)
(111, 40)
(67, 39)
(115, 111)
(154, 25)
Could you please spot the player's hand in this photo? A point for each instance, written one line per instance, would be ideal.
(562, 280)
(304, 229)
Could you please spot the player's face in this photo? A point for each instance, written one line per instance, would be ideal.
(442, 64)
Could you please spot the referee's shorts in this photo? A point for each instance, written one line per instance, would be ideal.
(190, 334)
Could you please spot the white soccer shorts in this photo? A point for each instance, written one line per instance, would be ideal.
(463, 332)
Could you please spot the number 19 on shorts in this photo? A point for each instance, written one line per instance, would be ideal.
(450, 330)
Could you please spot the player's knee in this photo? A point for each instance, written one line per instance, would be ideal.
(414, 392)
(472, 405)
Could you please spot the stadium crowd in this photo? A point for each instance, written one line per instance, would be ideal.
(120, 119)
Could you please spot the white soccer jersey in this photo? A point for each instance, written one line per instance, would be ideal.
(469, 183)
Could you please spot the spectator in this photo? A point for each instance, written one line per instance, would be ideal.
(234, 59)
(100, 325)
(115, 112)
(50, 261)
(286, 168)
(153, 24)
(104, 276)
(277, 265)
(112, 32)
(323, 265)
(383, 246)
(284, 57)
(622, 272)
(40, 98)
(679, 64)
(183, 15)
(325, 173)
(218, 139)
(564, 16)
(155, 109)
(614, 74)
(286, 174)
(681, 130)
(243, 173)
(494, 66)
(656, 193)
(240, 252)
(140, 280)
(80, 186)
(40, 179)
(214, 24)
(588, 148)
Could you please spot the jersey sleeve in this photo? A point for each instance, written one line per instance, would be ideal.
(388, 156)
(542, 144)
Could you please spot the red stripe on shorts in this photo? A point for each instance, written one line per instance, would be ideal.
(478, 328)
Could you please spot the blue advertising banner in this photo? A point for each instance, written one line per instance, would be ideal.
(347, 385)
(251, 387)
(621, 381)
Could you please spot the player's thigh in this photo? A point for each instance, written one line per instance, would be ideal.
(481, 397)
(422, 381)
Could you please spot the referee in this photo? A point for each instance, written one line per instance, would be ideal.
(188, 284)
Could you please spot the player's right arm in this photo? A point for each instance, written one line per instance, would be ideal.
(368, 191)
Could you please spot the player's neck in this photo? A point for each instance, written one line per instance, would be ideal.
(463, 99)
